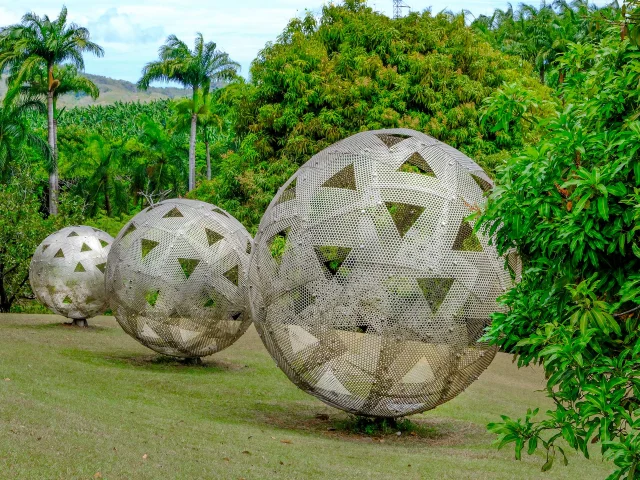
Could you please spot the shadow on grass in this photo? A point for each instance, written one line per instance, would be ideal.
(343, 426)
(151, 362)
(66, 326)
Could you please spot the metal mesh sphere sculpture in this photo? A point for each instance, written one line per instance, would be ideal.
(368, 285)
(176, 278)
(67, 272)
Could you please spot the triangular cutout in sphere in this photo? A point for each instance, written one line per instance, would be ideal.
(345, 179)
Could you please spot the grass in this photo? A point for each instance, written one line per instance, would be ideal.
(93, 403)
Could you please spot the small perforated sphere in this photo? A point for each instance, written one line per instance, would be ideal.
(368, 285)
(176, 278)
(67, 271)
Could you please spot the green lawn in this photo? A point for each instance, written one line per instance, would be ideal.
(84, 404)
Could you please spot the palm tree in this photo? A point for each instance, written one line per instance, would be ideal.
(101, 160)
(196, 69)
(70, 81)
(208, 120)
(36, 43)
(537, 28)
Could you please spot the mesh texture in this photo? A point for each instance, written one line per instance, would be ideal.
(67, 271)
(176, 278)
(368, 286)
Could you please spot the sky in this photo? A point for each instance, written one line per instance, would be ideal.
(130, 31)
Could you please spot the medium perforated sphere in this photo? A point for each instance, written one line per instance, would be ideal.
(67, 271)
(368, 286)
(176, 278)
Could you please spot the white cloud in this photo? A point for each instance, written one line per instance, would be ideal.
(115, 27)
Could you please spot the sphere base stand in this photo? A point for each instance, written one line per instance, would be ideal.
(192, 361)
(80, 322)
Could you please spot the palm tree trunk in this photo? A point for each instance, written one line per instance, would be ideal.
(107, 200)
(208, 161)
(53, 174)
(55, 140)
(192, 152)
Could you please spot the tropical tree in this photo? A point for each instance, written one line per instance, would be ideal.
(571, 205)
(36, 43)
(15, 134)
(154, 161)
(197, 69)
(99, 163)
(70, 81)
(209, 121)
(355, 69)
(541, 35)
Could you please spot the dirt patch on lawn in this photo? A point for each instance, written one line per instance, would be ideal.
(432, 431)
(177, 363)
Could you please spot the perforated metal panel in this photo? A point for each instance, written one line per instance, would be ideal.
(176, 278)
(368, 285)
(67, 271)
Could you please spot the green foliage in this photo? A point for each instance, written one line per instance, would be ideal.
(354, 69)
(197, 69)
(27, 305)
(511, 110)
(16, 136)
(30, 51)
(119, 120)
(22, 228)
(68, 81)
(101, 160)
(112, 155)
(542, 35)
(571, 205)
(278, 247)
(111, 225)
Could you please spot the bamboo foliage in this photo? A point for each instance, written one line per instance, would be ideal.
(353, 69)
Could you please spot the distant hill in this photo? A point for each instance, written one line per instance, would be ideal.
(112, 90)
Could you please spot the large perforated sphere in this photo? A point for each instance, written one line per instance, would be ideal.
(67, 271)
(176, 278)
(368, 286)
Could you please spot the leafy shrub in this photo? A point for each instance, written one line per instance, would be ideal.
(571, 205)
(111, 225)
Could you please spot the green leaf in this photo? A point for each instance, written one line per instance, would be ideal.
(581, 203)
(533, 445)
(603, 208)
